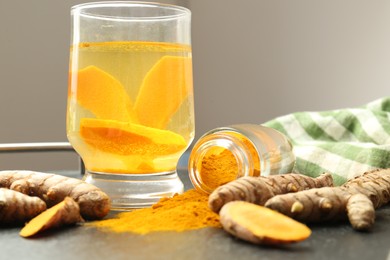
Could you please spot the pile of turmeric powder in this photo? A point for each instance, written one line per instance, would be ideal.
(182, 212)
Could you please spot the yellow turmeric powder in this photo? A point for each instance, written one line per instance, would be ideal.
(182, 212)
(218, 168)
(219, 165)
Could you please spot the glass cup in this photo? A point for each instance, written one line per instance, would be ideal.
(130, 111)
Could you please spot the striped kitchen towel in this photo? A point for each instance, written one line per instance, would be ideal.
(344, 142)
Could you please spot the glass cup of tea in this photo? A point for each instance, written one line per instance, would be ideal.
(130, 110)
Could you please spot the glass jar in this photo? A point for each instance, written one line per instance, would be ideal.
(227, 153)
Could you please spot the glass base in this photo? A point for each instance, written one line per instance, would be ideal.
(131, 191)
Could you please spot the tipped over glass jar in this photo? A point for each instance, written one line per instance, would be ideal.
(228, 153)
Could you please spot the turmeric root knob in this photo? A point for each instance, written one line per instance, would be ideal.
(261, 225)
(17, 208)
(66, 212)
(361, 212)
(259, 189)
(374, 184)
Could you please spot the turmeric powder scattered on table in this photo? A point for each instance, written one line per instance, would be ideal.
(187, 211)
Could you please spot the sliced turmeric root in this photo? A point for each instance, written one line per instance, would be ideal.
(163, 90)
(261, 225)
(129, 139)
(64, 213)
(103, 95)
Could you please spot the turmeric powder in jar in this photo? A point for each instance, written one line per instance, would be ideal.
(227, 153)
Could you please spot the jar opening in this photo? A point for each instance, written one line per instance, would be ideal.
(218, 159)
(217, 167)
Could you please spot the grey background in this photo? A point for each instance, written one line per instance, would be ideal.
(253, 60)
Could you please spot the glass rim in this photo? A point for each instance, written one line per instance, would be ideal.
(180, 10)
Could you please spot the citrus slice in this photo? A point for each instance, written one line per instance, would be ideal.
(163, 90)
(125, 138)
(103, 95)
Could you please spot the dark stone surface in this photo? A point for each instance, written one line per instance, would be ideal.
(336, 241)
(326, 242)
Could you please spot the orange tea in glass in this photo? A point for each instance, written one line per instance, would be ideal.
(130, 113)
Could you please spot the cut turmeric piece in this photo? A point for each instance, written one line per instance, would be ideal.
(103, 95)
(260, 225)
(64, 213)
(125, 138)
(163, 90)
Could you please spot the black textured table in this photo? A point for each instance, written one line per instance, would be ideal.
(337, 241)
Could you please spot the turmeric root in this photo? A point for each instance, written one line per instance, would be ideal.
(64, 213)
(260, 225)
(361, 212)
(313, 204)
(259, 189)
(52, 189)
(17, 208)
(325, 204)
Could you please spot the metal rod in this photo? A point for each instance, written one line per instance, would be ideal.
(40, 147)
(36, 147)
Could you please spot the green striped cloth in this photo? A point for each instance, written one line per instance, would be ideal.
(344, 142)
